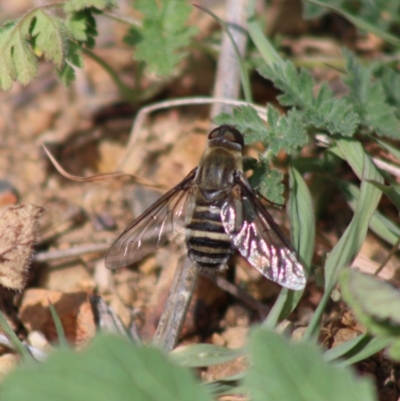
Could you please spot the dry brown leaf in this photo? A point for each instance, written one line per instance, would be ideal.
(102, 177)
(18, 234)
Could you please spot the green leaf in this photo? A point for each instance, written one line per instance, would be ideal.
(393, 149)
(46, 31)
(78, 5)
(285, 132)
(15, 341)
(111, 369)
(268, 182)
(63, 342)
(164, 34)
(247, 121)
(312, 11)
(356, 349)
(376, 303)
(391, 191)
(199, 355)
(37, 33)
(390, 80)
(82, 27)
(379, 223)
(263, 45)
(7, 71)
(297, 372)
(302, 221)
(322, 111)
(360, 23)
(19, 61)
(369, 99)
(350, 243)
(73, 58)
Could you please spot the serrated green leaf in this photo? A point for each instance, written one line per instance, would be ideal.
(268, 182)
(390, 80)
(46, 31)
(198, 355)
(285, 132)
(24, 62)
(369, 100)
(78, 5)
(297, 372)
(111, 369)
(164, 34)
(322, 111)
(82, 27)
(133, 37)
(376, 303)
(37, 33)
(7, 76)
(73, 58)
(247, 121)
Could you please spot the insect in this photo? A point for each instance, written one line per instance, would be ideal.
(221, 214)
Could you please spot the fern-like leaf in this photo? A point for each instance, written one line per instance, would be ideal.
(322, 110)
(369, 99)
(163, 34)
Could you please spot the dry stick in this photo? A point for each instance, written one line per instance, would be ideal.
(394, 249)
(238, 293)
(174, 313)
(71, 252)
(185, 277)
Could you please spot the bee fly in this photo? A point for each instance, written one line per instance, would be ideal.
(221, 214)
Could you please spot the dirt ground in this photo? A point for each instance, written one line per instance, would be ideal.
(87, 128)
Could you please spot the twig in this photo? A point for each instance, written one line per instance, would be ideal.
(174, 313)
(390, 168)
(70, 252)
(234, 290)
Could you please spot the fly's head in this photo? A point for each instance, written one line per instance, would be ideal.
(226, 136)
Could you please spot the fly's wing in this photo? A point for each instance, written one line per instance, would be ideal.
(259, 240)
(152, 228)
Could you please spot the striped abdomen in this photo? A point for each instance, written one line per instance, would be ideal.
(206, 240)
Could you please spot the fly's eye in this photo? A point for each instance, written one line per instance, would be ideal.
(229, 136)
(214, 133)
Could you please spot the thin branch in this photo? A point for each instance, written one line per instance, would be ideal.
(71, 252)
